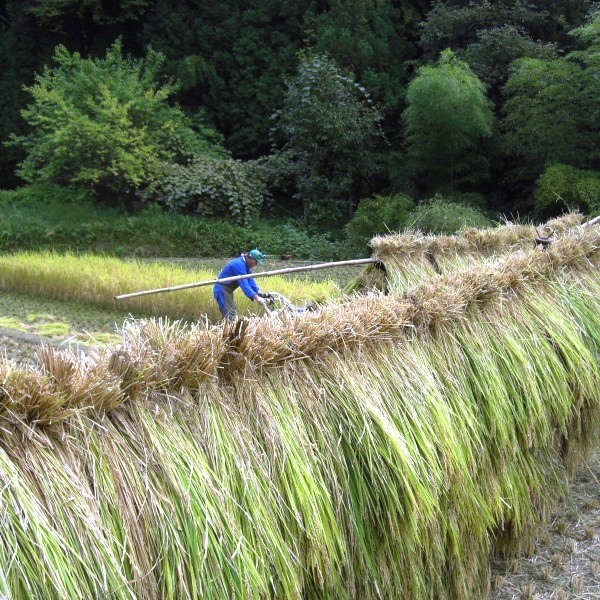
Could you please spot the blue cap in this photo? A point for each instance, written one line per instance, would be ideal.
(257, 255)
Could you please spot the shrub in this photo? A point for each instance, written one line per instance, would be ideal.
(472, 199)
(378, 215)
(438, 215)
(563, 187)
(212, 187)
(330, 126)
(293, 238)
(105, 124)
(589, 192)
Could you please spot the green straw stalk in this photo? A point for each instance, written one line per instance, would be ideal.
(382, 448)
(413, 256)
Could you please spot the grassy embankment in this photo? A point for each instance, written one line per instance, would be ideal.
(36, 219)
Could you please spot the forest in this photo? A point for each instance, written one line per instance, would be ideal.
(354, 116)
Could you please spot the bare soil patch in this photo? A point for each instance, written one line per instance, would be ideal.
(21, 347)
(565, 561)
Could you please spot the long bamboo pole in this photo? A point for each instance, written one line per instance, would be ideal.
(591, 222)
(341, 263)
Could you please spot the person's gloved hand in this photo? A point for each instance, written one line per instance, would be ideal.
(264, 295)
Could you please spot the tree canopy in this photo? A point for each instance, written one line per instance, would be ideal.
(104, 123)
(447, 117)
(371, 98)
(328, 122)
(552, 107)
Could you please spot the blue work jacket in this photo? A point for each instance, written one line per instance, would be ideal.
(237, 266)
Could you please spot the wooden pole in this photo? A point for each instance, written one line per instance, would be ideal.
(342, 263)
(592, 222)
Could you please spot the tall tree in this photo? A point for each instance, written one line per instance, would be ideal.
(232, 58)
(495, 49)
(491, 35)
(587, 56)
(457, 23)
(329, 125)
(19, 58)
(56, 12)
(103, 124)
(543, 116)
(29, 32)
(372, 39)
(552, 108)
(447, 118)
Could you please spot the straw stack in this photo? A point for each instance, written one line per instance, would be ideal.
(412, 256)
(381, 448)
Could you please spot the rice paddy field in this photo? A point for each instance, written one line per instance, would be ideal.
(94, 280)
(406, 440)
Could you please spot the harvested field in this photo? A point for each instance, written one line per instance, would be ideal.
(564, 559)
(385, 446)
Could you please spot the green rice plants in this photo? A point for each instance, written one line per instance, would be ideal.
(303, 507)
(50, 561)
(195, 523)
(97, 279)
(371, 471)
(65, 493)
(381, 447)
(579, 296)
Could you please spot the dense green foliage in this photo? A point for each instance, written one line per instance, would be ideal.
(377, 216)
(447, 117)
(491, 35)
(542, 121)
(103, 125)
(54, 12)
(335, 102)
(329, 124)
(212, 187)
(561, 187)
(441, 215)
(45, 217)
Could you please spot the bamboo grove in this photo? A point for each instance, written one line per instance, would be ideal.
(382, 447)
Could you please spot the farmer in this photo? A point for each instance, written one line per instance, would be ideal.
(223, 292)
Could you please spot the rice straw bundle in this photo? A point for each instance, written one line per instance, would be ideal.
(411, 256)
(382, 447)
